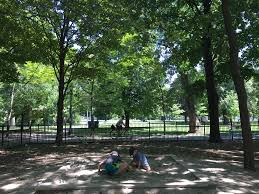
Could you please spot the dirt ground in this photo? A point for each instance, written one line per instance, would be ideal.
(178, 167)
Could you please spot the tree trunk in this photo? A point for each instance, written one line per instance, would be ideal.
(11, 105)
(192, 117)
(22, 122)
(70, 111)
(63, 49)
(91, 100)
(60, 104)
(240, 88)
(225, 118)
(127, 105)
(13, 122)
(127, 118)
(163, 108)
(210, 83)
(189, 103)
(29, 115)
(185, 118)
(91, 104)
(9, 115)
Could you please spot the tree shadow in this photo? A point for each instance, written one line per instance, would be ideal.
(24, 168)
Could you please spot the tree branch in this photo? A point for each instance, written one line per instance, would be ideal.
(194, 6)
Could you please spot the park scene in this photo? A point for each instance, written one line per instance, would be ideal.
(131, 97)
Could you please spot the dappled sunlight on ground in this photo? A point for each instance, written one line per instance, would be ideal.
(24, 169)
(11, 186)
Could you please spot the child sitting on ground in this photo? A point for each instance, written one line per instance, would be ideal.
(139, 159)
(113, 164)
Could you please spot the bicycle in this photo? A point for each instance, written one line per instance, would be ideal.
(119, 132)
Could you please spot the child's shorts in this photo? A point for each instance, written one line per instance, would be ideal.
(112, 169)
(144, 163)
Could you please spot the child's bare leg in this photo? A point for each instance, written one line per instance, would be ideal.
(123, 167)
(134, 164)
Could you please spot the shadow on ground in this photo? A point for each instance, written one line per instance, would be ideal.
(26, 169)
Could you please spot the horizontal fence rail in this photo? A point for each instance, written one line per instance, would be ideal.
(138, 131)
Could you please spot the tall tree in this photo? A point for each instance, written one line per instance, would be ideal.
(179, 26)
(58, 21)
(34, 93)
(71, 30)
(140, 74)
(209, 72)
(239, 86)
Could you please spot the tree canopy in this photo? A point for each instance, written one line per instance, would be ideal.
(118, 58)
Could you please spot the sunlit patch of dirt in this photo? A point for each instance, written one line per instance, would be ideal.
(3, 152)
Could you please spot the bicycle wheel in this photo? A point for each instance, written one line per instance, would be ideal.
(113, 134)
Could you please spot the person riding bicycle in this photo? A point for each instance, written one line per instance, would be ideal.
(120, 124)
(118, 128)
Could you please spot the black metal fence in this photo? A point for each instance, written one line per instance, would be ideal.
(138, 131)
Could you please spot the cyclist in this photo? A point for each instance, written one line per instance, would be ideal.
(120, 124)
(118, 127)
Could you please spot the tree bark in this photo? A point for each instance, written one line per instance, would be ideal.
(248, 146)
(9, 115)
(225, 119)
(60, 104)
(127, 106)
(61, 79)
(91, 103)
(192, 117)
(185, 118)
(163, 108)
(210, 83)
(127, 118)
(189, 103)
(70, 111)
